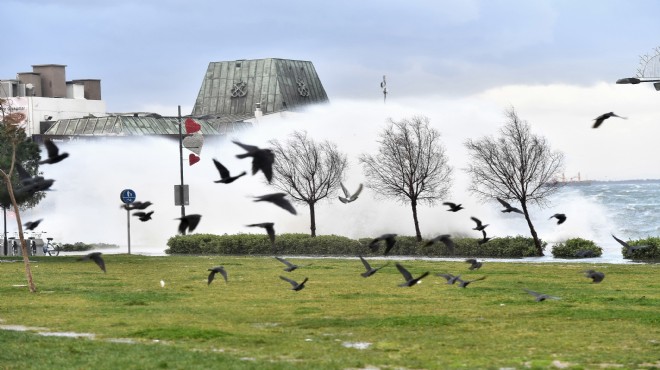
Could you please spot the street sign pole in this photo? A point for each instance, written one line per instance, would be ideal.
(128, 196)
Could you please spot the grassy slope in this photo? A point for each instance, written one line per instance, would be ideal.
(255, 321)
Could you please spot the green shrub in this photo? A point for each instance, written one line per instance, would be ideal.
(76, 247)
(304, 244)
(650, 252)
(576, 248)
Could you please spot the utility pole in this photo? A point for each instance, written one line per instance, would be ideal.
(183, 206)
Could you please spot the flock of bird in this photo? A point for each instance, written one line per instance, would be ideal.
(263, 160)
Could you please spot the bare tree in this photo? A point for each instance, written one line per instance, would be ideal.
(307, 171)
(14, 134)
(411, 165)
(518, 165)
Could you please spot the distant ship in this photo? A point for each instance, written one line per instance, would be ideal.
(577, 180)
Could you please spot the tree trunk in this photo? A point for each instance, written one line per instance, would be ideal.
(312, 219)
(418, 234)
(24, 249)
(537, 241)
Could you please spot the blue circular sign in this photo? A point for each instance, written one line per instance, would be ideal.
(127, 196)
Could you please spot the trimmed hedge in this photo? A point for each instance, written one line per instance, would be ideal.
(651, 252)
(304, 244)
(576, 248)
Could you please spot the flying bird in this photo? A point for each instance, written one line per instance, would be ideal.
(595, 276)
(31, 225)
(485, 239)
(295, 286)
(188, 222)
(143, 216)
(262, 159)
(474, 264)
(389, 243)
(215, 270)
(560, 218)
(270, 230)
(464, 283)
(54, 155)
(451, 279)
(629, 248)
(453, 207)
(137, 205)
(289, 266)
(480, 226)
(370, 270)
(225, 177)
(540, 296)
(410, 281)
(96, 257)
(445, 239)
(507, 207)
(348, 197)
(599, 120)
(277, 199)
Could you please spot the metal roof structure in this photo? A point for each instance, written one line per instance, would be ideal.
(127, 126)
(236, 87)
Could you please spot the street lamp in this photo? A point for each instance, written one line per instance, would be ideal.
(635, 81)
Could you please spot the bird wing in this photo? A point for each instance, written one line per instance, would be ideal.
(404, 272)
(193, 221)
(503, 203)
(289, 264)
(446, 276)
(282, 202)
(52, 149)
(292, 282)
(365, 263)
(211, 276)
(224, 172)
(478, 221)
(270, 230)
(343, 200)
(621, 241)
(183, 225)
(249, 148)
(471, 260)
(346, 193)
(139, 214)
(450, 204)
(535, 294)
(356, 194)
(96, 257)
(598, 121)
(223, 273)
(22, 173)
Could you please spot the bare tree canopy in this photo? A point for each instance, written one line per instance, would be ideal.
(517, 165)
(308, 171)
(411, 165)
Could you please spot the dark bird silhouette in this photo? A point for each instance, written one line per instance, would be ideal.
(262, 159)
(270, 230)
(451, 279)
(585, 253)
(507, 207)
(137, 205)
(277, 199)
(225, 177)
(485, 239)
(629, 248)
(599, 120)
(445, 239)
(143, 216)
(474, 264)
(31, 225)
(294, 284)
(560, 218)
(389, 243)
(188, 222)
(369, 270)
(453, 207)
(410, 281)
(540, 296)
(480, 226)
(289, 266)
(31, 184)
(96, 257)
(464, 283)
(595, 276)
(54, 155)
(24, 177)
(348, 197)
(215, 270)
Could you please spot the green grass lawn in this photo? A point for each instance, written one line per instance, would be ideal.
(256, 322)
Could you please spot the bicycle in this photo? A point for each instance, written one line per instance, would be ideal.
(51, 248)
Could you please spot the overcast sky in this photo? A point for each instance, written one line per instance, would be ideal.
(554, 61)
